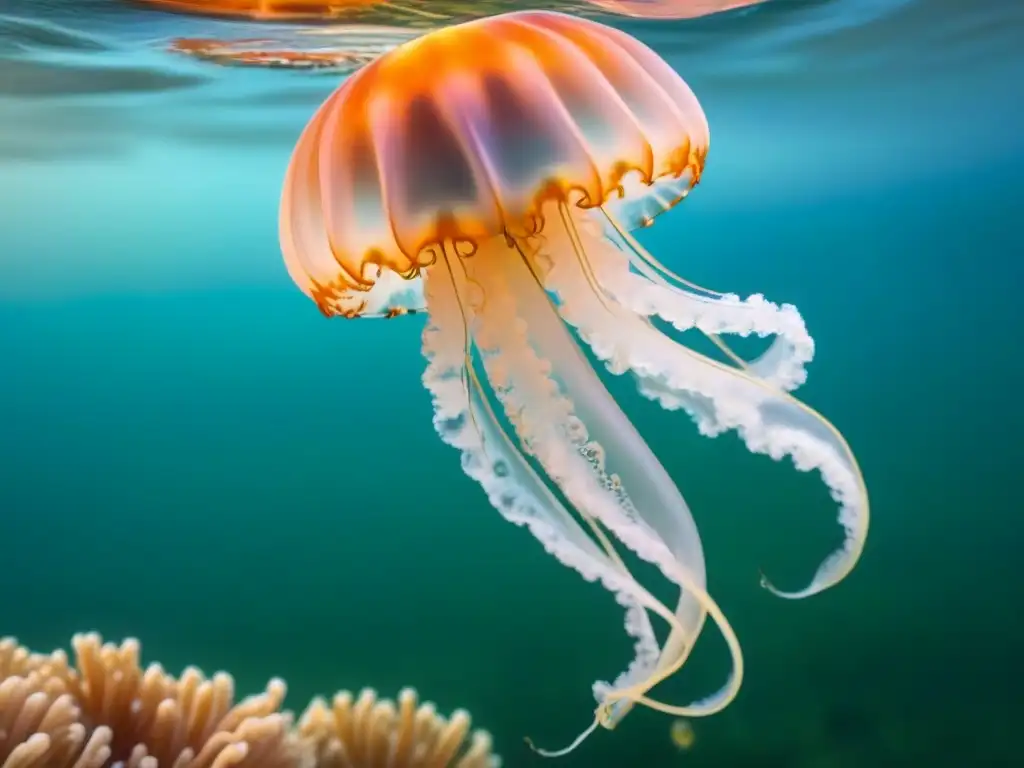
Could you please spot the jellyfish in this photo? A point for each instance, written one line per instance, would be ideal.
(682, 734)
(671, 9)
(490, 175)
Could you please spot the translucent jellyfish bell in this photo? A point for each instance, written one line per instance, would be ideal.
(489, 174)
(682, 734)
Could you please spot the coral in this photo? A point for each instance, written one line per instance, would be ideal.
(40, 721)
(186, 722)
(106, 711)
(372, 733)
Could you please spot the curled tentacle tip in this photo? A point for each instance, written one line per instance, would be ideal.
(542, 752)
(562, 752)
(766, 584)
(533, 747)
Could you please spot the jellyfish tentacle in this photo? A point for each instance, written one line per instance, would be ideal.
(719, 398)
(475, 394)
(641, 257)
(790, 427)
(471, 380)
(553, 340)
(588, 272)
(630, 687)
(649, 293)
(547, 426)
(571, 747)
(483, 458)
(511, 484)
(503, 370)
(834, 563)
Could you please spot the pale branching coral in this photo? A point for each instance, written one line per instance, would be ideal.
(106, 711)
(372, 733)
(15, 659)
(186, 722)
(39, 720)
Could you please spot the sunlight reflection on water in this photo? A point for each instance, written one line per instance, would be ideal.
(805, 98)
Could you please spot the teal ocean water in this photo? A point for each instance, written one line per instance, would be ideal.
(191, 454)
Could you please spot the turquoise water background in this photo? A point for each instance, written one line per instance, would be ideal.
(180, 459)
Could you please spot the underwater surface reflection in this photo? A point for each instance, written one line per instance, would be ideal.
(806, 97)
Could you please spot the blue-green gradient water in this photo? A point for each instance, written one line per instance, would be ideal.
(191, 454)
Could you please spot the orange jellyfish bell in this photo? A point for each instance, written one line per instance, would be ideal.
(490, 174)
(671, 9)
(465, 133)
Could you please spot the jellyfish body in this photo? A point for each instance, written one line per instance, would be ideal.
(490, 174)
(671, 9)
(682, 734)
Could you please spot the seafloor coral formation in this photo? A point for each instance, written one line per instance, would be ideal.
(106, 710)
(40, 721)
(372, 732)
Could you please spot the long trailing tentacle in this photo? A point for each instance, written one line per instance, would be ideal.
(655, 290)
(558, 344)
(718, 397)
(546, 421)
(491, 458)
